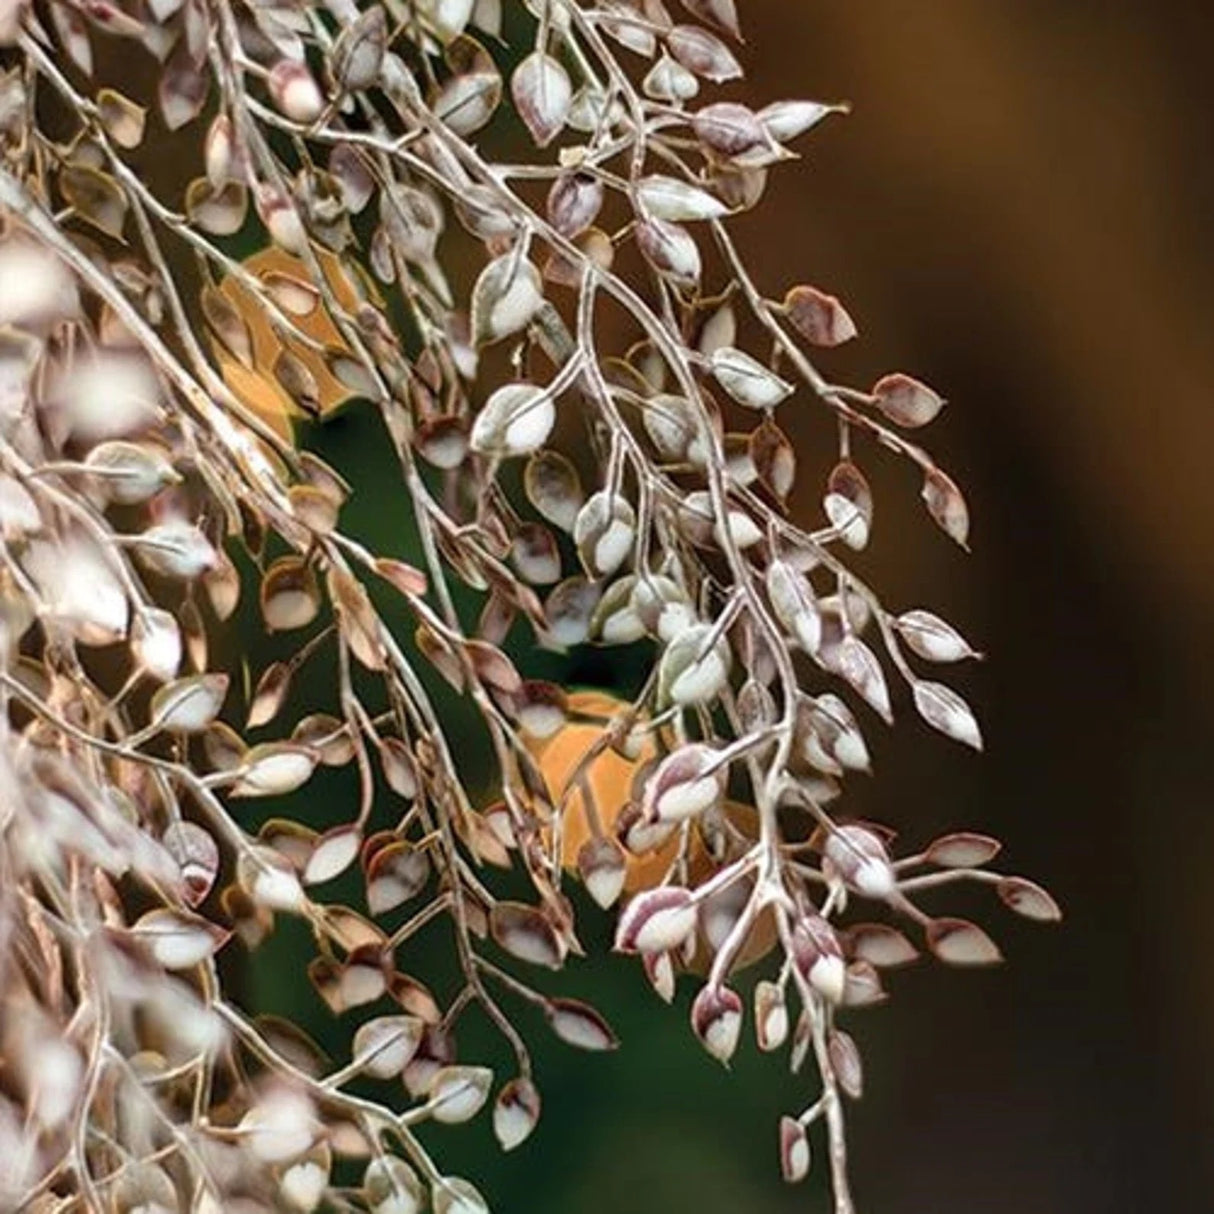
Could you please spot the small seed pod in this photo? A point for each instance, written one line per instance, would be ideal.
(716, 1017)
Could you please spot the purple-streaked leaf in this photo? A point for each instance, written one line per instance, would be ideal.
(845, 1062)
(526, 933)
(959, 942)
(703, 53)
(906, 401)
(880, 945)
(542, 94)
(578, 1024)
(794, 1150)
(716, 1018)
(820, 318)
(1029, 899)
(946, 505)
(656, 920)
(515, 1112)
(962, 850)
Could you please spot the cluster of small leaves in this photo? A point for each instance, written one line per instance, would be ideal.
(611, 346)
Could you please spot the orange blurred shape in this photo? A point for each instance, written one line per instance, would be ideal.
(256, 385)
(610, 777)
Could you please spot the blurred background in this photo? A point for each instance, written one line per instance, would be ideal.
(1017, 211)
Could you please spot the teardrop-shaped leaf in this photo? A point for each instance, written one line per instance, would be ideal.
(962, 850)
(457, 1093)
(946, 505)
(274, 769)
(820, 318)
(906, 401)
(958, 942)
(506, 296)
(943, 709)
(578, 1024)
(554, 488)
(189, 705)
(676, 201)
(542, 94)
(703, 53)
(1029, 899)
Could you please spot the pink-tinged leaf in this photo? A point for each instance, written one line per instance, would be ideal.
(542, 94)
(860, 859)
(334, 852)
(880, 945)
(785, 120)
(574, 202)
(183, 90)
(793, 601)
(408, 579)
(859, 666)
(947, 506)
(73, 36)
(959, 942)
(358, 54)
(906, 401)
(294, 91)
(515, 1112)
(820, 318)
(525, 933)
(729, 129)
(774, 458)
(931, 638)
(943, 709)
(849, 504)
(656, 920)
(716, 1018)
(721, 13)
(197, 856)
(817, 953)
(845, 1062)
(659, 969)
(1027, 898)
(862, 987)
(677, 201)
(689, 781)
(603, 870)
(962, 850)
(703, 53)
(670, 250)
(794, 1150)
(771, 1015)
(578, 1024)
(399, 767)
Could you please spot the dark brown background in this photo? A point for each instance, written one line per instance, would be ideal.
(1017, 210)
